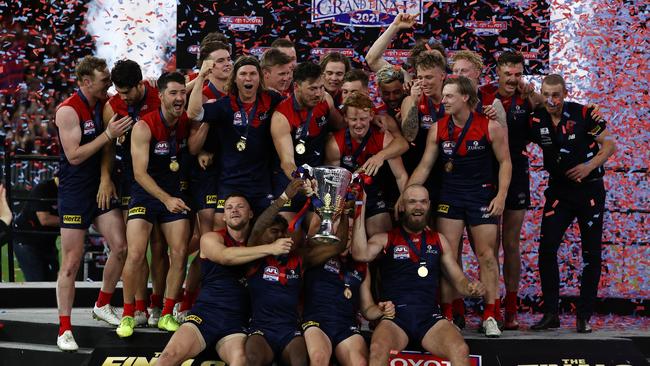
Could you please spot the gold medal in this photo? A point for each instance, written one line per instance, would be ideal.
(174, 166)
(347, 293)
(449, 166)
(241, 145)
(300, 148)
(423, 271)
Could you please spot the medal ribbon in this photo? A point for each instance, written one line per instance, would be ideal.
(412, 245)
(97, 113)
(359, 150)
(172, 137)
(134, 110)
(432, 111)
(304, 125)
(215, 91)
(246, 119)
(450, 131)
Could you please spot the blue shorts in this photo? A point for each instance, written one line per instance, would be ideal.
(375, 202)
(77, 210)
(144, 206)
(203, 189)
(214, 322)
(518, 197)
(125, 192)
(471, 208)
(278, 337)
(337, 332)
(416, 321)
(280, 183)
(259, 201)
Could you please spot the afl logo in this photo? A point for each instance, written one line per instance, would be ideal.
(333, 266)
(89, 127)
(271, 274)
(448, 147)
(427, 121)
(194, 49)
(401, 252)
(161, 148)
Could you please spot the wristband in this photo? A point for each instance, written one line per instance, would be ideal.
(284, 196)
(108, 134)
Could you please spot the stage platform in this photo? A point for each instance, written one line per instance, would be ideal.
(28, 336)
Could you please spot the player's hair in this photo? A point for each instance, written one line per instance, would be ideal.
(87, 66)
(215, 37)
(335, 57)
(168, 77)
(388, 74)
(465, 87)
(305, 71)
(509, 57)
(208, 48)
(431, 60)
(281, 221)
(554, 79)
(231, 85)
(357, 100)
(236, 194)
(126, 74)
(357, 75)
(274, 57)
(470, 56)
(282, 43)
(421, 46)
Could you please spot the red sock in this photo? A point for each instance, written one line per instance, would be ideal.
(188, 299)
(168, 307)
(511, 302)
(129, 310)
(64, 323)
(141, 305)
(458, 306)
(488, 311)
(103, 298)
(446, 311)
(156, 301)
(497, 309)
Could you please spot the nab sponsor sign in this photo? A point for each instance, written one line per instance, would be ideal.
(241, 23)
(363, 13)
(407, 358)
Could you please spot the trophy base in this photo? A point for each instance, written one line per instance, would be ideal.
(324, 239)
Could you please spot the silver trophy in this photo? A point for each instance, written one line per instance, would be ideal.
(332, 186)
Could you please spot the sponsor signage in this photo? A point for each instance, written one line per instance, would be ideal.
(363, 13)
(241, 23)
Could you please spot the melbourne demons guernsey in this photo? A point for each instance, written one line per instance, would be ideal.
(473, 164)
(570, 143)
(428, 114)
(399, 267)
(325, 289)
(211, 92)
(274, 285)
(226, 284)
(312, 132)
(167, 144)
(87, 173)
(354, 154)
(518, 112)
(247, 170)
(150, 102)
(383, 108)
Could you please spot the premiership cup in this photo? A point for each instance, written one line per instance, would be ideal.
(332, 186)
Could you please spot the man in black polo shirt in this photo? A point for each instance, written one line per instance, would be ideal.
(575, 147)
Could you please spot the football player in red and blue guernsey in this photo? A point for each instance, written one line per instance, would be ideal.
(274, 283)
(277, 69)
(135, 98)
(220, 315)
(466, 143)
(299, 127)
(82, 136)
(158, 146)
(575, 146)
(334, 66)
(239, 136)
(412, 259)
(362, 147)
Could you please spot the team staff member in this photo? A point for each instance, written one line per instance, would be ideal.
(274, 283)
(575, 147)
(158, 143)
(412, 259)
(220, 316)
(135, 98)
(467, 142)
(363, 147)
(239, 135)
(82, 136)
(299, 128)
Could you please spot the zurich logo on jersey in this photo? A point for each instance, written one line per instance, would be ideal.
(271, 274)
(475, 146)
(89, 127)
(401, 252)
(161, 148)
